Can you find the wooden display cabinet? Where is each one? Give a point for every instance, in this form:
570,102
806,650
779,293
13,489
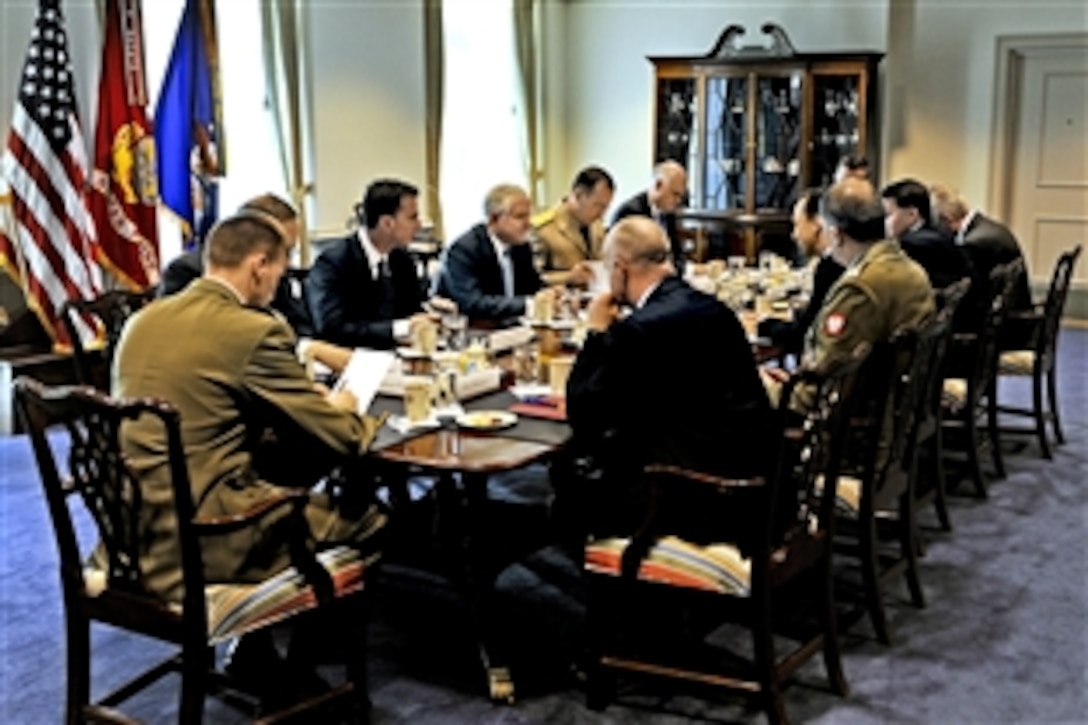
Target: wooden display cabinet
755,125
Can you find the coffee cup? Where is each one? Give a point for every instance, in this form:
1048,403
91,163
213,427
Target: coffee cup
544,306
558,372
418,392
715,268
425,336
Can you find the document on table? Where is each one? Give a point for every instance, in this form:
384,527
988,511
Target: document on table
364,373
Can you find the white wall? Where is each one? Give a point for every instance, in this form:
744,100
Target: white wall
946,68
368,100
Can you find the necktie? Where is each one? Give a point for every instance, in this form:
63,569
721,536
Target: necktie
386,292
507,265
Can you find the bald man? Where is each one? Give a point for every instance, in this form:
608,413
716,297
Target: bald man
660,202
672,382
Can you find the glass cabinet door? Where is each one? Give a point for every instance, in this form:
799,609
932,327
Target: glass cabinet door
837,124
725,175
778,141
678,119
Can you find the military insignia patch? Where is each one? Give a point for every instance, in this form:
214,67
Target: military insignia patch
834,324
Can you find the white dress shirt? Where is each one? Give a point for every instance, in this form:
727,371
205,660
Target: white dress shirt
374,258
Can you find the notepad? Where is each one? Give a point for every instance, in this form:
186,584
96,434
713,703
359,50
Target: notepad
364,373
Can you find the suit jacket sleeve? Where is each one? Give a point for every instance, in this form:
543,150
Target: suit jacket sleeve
328,288
596,382
275,377
460,280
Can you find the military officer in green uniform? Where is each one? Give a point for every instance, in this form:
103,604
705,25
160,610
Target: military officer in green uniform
881,291
571,233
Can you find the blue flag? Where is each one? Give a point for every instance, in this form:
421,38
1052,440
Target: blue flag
188,129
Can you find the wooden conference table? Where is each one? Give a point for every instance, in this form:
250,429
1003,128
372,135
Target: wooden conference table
453,454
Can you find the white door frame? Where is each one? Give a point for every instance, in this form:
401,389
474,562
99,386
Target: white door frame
1011,52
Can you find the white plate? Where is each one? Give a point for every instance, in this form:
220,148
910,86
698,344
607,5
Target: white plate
487,419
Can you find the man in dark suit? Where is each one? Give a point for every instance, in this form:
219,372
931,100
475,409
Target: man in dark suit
907,217
488,271
809,234
660,203
672,382
988,242
364,290
290,301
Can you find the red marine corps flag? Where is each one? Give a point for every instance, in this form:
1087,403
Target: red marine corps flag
125,172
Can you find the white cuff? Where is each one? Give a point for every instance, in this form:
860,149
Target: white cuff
529,308
402,328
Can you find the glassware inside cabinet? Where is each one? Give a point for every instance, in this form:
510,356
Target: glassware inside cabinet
778,141
725,174
836,128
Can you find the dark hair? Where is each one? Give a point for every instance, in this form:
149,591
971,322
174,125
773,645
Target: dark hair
859,216
236,237
910,194
272,205
588,178
382,198
811,197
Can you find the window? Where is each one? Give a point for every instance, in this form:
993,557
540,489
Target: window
482,118
253,163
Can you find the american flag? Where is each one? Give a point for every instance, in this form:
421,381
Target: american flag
45,167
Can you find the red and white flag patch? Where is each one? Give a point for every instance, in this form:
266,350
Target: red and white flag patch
834,324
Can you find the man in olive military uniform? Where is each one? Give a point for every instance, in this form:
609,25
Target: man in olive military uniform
881,291
571,233
228,365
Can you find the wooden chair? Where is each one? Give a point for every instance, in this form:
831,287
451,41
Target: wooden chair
209,614
928,434
111,310
969,388
875,497
1039,358
726,549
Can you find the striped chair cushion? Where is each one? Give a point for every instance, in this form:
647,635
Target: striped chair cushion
716,568
847,495
1016,362
954,393
234,609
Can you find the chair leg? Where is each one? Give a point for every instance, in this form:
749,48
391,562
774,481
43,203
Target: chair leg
870,574
79,668
599,681
832,652
971,428
763,647
940,482
1040,415
196,659
992,429
907,532
1052,397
